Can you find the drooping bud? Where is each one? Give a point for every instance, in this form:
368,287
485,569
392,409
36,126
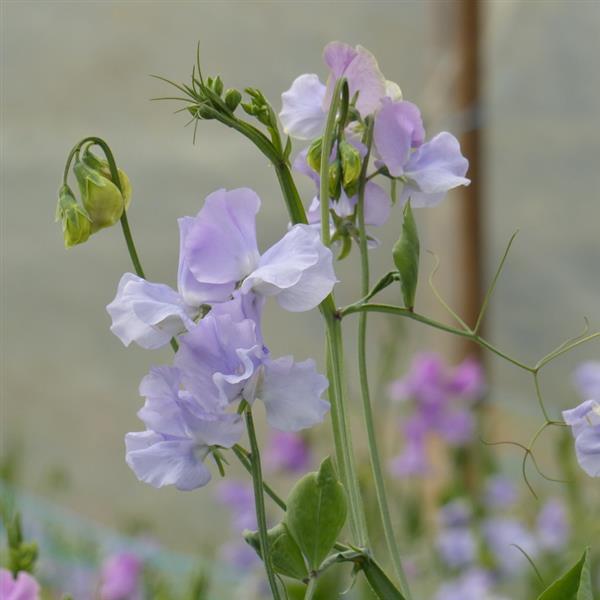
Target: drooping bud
232,98
351,165
313,156
101,165
101,198
76,223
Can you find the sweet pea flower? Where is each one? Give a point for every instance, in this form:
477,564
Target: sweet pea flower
475,584
501,535
180,432
500,492
238,497
21,587
306,103
220,254
121,577
226,360
456,546
219,261
585,425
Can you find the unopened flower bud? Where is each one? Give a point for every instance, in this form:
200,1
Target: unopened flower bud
101,165
217,85
232,99
335,180
313,156
351,164
76,223
101,198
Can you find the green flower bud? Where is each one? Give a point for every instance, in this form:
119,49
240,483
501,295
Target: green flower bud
76,223
335,179
217,85
99,164
313,156
101,198
232,99
351,164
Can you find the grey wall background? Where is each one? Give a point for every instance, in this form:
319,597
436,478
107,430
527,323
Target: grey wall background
69,69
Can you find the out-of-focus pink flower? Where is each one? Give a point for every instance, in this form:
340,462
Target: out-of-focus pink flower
23,587
287,451
121,577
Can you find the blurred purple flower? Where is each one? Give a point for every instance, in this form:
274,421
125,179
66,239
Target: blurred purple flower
475,584
456,546
238,497
500,492
585,425
440,399
553,525
239,555
456,513
287,451
21,587
121,577
502,535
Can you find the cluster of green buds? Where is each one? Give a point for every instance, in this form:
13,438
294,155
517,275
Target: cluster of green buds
103,200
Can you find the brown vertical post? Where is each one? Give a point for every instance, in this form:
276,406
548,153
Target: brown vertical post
470,259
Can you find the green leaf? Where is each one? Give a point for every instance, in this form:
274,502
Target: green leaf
406,257
379,581
316,513
285,554
575,584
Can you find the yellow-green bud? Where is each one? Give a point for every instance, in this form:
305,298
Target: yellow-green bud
76,223
102,165
101,198
232,99
313,156
351,164
335,180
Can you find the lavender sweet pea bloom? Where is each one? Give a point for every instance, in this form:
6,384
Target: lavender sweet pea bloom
121,577
239,498
148,313
220,253
456,546
23,587
226,360
180,432
501,535
585,425
475,584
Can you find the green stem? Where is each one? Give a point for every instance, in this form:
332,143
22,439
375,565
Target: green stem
405,312
376,469
259,501
311,589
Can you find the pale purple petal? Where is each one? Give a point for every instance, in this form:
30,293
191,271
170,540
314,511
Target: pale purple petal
292,394
361,71
303,167
23,587
587,449
468,380
192,291
298,270
475,584
159,461
582,416
149,314
433,169
239,498
220,246
587,379
411,462
500,493
121,577
377,205
398,128
219,356
302,114
241,307
455,426
456,513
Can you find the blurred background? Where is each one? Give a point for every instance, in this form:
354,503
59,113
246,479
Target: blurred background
71,69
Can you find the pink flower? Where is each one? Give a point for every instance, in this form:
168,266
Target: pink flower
24,587
121,574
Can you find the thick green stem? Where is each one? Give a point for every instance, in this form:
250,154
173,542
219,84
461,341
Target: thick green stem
376,470
311,589
259,501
